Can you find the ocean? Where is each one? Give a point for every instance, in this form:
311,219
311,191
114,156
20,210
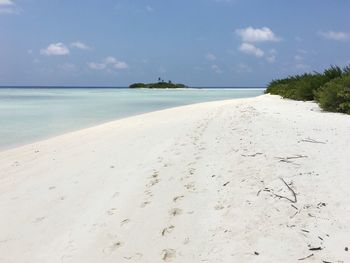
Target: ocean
31,114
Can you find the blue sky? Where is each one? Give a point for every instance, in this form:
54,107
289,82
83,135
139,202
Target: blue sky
196,42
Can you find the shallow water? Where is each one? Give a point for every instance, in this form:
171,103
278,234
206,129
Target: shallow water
31,114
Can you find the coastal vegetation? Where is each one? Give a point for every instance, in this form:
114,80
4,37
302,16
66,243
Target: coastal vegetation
161,84
330,89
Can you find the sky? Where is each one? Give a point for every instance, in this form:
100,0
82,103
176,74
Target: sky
196,42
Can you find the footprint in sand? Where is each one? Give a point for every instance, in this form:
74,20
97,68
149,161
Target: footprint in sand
178,198
219,207
149,193
154,182
137,256
111,211
175,212
113,247
155,174
186,241
190,186
125,221
144,204
191,171
168,254
167,230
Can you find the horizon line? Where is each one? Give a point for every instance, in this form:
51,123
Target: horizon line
124,87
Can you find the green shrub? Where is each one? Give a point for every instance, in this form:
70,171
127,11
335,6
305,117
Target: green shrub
137,85
300,87
158,85
304,87
335,94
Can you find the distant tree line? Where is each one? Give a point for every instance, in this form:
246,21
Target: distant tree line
161,84
330,89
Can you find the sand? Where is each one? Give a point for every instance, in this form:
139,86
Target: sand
248,180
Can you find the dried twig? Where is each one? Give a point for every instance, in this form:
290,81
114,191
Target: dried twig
226,183
291,190
309,256
292,157
250,155
315,248
289,159
294,207
311,141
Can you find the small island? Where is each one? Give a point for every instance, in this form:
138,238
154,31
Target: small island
161,84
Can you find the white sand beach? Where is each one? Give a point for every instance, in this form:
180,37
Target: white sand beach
247,180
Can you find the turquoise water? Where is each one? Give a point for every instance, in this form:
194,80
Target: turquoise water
29,114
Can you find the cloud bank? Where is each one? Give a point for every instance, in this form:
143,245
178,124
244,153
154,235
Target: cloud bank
334,35
80,45
108,63
250,49
8,7
55,49
252,35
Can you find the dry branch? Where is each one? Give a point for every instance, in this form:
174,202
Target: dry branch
311,141
309,256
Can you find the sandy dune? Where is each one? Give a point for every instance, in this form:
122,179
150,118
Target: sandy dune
249,180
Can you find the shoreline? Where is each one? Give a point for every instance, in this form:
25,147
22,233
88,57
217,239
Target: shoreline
4,149
62,114
245,180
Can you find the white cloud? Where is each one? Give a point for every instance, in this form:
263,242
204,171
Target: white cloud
110,60
8,7
80,45
96,66
333,35
251,34
250,49
55,49
6,2
120,65
108,63
210,56
216,68
115,63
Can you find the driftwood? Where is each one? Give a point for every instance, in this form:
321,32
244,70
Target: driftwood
315,248
311,141
226,183
289,159
292,157
309,256
250,155
294,200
